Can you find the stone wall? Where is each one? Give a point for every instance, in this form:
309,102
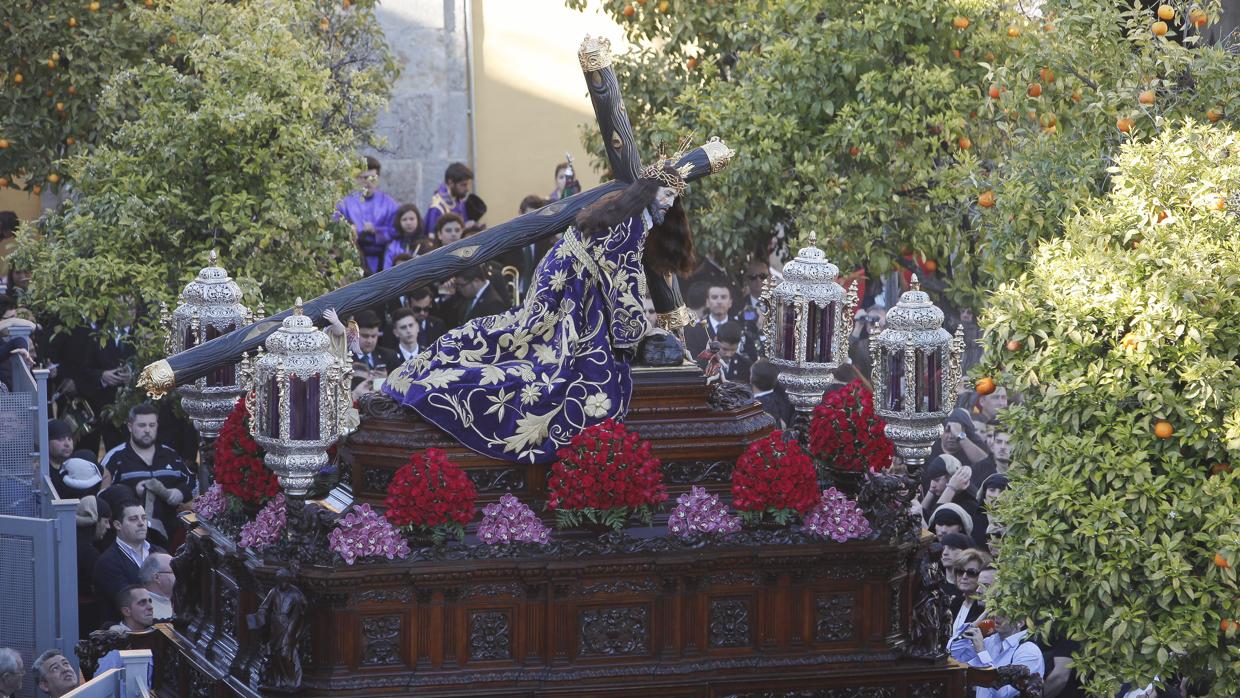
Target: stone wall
427,125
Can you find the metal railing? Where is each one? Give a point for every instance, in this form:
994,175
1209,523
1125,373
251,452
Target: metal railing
130,681
38,532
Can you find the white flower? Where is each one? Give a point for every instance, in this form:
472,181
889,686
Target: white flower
529,394
598,405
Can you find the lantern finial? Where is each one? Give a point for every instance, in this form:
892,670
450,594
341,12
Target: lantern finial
297,306
915,283
813,238
212,257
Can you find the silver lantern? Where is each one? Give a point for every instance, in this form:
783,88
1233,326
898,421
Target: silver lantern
809,318
209,306
916,375
299,398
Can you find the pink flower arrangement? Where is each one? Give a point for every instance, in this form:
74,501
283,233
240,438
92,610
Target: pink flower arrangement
267,527
363,532
511,521
211,503
699,512
837,517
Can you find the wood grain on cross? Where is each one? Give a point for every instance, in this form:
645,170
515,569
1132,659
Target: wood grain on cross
595,56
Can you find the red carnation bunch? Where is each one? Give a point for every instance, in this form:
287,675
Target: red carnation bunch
431,494
239,467
774,477
846,434
604,475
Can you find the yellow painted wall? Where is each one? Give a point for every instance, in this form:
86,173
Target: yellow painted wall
26,206
530,97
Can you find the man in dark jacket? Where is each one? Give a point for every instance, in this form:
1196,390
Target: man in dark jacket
118,566
155,471
475,297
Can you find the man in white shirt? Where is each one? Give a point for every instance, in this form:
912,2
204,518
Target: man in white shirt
1005,647
118,566
405,327
158,578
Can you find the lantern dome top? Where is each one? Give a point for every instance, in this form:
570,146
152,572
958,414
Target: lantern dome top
915,312
811,265
297,335
213,286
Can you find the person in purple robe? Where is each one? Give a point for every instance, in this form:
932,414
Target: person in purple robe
458,181
519,385
373,216
411,239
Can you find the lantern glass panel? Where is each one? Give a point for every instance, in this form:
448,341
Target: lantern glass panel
272,422
190,339
893,368
226,374
929,380
303,408
825,335
786,337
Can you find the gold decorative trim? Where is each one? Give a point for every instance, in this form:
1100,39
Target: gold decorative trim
718,153
674,320
157,379
465,252
594,54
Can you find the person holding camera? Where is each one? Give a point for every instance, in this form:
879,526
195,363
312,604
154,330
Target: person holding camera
997,642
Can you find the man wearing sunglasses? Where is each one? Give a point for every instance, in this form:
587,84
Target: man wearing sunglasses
372,215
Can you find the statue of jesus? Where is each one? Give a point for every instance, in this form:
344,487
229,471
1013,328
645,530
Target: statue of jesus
519,385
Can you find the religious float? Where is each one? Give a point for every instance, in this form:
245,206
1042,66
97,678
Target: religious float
319,593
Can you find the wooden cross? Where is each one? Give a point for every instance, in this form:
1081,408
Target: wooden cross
613,120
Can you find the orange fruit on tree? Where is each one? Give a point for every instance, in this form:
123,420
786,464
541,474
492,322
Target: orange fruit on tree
1013,31
151,3
1220,561
1147,97
986,199
60,106
72,22
994,92
53,178
1131,342
663,5
1159,28
1124,124
960,22
964,142
1228,626
692,63
18,79
629,11
1048,27
1162,215
50,63
1163,429
1035,90
985,386
70,140
72,90
1166,12
955,53
1213,115
1220,203
930,266
1049,120
854,151
1198,17
1013,345
1047,75
93,7
4,143
1076,95
324,24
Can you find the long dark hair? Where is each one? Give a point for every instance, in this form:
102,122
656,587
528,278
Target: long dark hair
669,246
404,237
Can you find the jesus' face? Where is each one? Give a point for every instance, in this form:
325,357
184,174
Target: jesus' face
663,200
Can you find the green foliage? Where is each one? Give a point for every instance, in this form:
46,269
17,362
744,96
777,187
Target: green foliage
1124,321
615,518
847,117
239,136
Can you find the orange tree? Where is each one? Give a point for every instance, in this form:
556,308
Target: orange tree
1123,337
955,132
238,132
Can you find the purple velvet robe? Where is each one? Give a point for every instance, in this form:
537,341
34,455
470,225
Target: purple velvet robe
378,210
519,385
441,203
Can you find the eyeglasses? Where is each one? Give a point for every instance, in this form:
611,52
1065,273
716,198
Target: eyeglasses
420,308
970,572
759,277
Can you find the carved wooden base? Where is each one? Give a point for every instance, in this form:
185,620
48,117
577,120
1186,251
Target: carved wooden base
697,431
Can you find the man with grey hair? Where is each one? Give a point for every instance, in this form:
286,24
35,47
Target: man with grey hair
12,669
157,577
54,674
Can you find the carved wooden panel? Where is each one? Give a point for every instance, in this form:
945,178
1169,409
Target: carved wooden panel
833,618
613,631
928,690
729,623
490,635
380,640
